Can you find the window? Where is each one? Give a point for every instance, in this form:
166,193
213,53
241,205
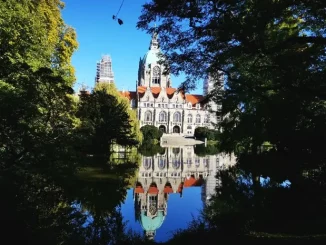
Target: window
176,163
197,106
159,105
177,117
206,119
198,118
173,105
189,118
161,163
147,162
189,106
148,116
156,75
162,116
197,162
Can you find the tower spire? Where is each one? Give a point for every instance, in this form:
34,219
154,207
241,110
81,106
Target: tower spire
154,41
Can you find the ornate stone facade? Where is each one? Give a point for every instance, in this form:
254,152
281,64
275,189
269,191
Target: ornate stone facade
167,108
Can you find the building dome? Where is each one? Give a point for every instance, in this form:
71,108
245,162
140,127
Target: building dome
151,224
151,57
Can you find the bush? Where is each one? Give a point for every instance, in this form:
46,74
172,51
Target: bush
151,133
204,132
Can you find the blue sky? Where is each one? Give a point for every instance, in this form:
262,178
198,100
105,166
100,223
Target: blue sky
99,34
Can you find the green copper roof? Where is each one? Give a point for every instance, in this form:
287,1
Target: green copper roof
151,57
149,224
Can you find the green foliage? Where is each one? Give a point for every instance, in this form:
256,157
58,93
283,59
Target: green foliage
41,138
149,149
105,122
151,133
133,120
33,32
204,132
271,55
202,150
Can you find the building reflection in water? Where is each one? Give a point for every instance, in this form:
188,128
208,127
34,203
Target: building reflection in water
168,174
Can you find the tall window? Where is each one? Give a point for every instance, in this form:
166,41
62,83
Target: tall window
148,116
147,162
161,162
162,117
177,117
189,118
156,75
198,118
206,119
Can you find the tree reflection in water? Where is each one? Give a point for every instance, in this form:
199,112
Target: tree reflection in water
51,209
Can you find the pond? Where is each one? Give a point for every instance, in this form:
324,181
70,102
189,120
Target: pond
158,192
170,190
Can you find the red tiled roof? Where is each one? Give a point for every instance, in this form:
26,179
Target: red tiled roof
129,94
192,182
194,98
168,189
152,190
139,189
156,91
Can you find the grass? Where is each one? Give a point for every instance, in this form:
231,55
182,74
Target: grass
96,174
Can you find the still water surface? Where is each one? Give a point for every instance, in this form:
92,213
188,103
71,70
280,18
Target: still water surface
170,190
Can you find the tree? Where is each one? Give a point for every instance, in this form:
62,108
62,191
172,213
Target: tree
151,133
204,132
34,32
37,120
112,90
272,53
106,122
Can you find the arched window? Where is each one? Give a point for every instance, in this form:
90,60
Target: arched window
198,118
176,163
197,162
206,118
161,163
189,118
147,162
177,117
148,116
162,117
156,75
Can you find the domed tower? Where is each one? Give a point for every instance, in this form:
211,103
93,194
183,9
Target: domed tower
150,73
150,225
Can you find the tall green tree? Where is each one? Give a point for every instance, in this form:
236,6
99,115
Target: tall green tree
37,119
272,54
133,120
106,122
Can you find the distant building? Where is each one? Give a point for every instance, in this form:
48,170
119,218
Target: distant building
167,108
104,71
